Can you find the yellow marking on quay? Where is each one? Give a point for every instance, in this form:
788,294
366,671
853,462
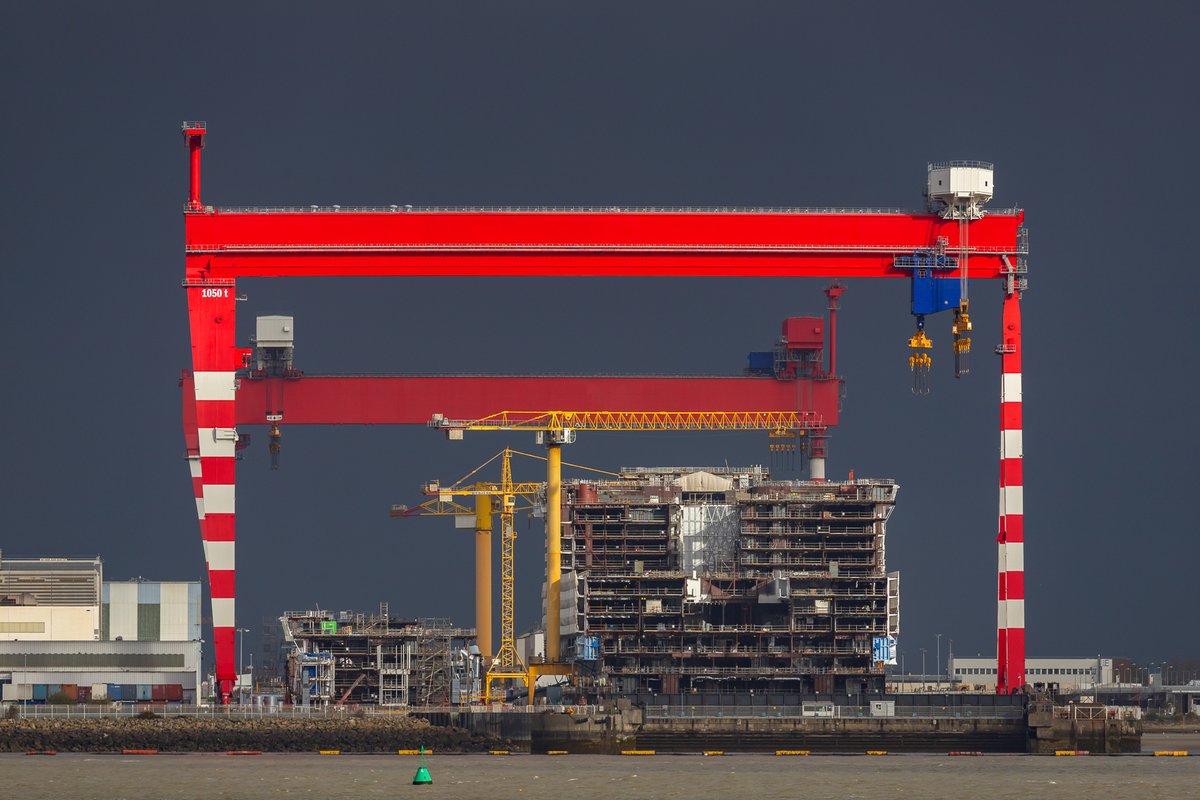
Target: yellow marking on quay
714,752
877,752
1071,752
330,752
637,752
556,752
500,752
413,752
792,752
1170,753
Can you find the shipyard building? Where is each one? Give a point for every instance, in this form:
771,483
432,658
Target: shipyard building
68,636
725,581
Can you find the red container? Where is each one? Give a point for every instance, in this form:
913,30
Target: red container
70,692
85,694
174,693
158,693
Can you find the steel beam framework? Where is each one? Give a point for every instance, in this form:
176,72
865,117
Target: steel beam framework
223,245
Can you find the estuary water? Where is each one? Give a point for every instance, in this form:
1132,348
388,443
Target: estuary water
529,777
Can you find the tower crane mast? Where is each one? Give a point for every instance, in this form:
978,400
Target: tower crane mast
502,497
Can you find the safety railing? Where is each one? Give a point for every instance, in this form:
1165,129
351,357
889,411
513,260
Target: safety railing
652,713
113,710
406,208
949,164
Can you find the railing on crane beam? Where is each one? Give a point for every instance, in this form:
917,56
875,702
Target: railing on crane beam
636,421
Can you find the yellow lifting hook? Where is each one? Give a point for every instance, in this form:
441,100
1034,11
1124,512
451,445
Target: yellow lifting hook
962,340
919,361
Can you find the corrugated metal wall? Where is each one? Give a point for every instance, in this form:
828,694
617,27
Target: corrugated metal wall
148,611
122,611
193,611
174,612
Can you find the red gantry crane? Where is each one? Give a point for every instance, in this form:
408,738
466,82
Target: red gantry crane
230,386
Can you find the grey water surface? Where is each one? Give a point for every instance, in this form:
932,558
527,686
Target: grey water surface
532,777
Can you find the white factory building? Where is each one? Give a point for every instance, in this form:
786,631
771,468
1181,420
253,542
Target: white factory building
1071,674
67,635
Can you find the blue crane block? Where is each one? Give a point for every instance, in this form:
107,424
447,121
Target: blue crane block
931,292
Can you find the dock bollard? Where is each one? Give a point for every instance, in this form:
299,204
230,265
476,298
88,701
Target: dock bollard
422,778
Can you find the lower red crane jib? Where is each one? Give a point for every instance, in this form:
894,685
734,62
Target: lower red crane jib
413,400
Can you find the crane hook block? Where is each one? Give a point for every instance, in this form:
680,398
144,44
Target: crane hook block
919,360
962,340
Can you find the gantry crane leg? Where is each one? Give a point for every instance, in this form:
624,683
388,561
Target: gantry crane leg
1010,625
215,360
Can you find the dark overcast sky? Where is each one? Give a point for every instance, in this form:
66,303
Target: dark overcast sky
1089,113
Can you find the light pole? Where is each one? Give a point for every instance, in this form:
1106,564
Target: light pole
939,661
923,673
241,651
949,664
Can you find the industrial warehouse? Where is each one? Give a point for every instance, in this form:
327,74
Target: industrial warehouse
67,635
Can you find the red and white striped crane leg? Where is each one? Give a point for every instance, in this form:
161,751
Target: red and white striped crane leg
1010,619
215,359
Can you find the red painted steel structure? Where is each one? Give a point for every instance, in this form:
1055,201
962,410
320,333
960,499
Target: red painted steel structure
1010,618
411,400
223,245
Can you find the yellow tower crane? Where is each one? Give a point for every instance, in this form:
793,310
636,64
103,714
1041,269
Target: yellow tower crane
489,498
556,428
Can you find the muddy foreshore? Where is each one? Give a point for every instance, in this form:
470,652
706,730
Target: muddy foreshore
219,734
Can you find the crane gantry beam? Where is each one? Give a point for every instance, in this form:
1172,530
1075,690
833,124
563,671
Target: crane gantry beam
228,243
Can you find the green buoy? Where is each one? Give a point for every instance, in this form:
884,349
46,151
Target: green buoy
422,778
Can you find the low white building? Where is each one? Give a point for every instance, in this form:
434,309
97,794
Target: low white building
66,635
64,672
1071,674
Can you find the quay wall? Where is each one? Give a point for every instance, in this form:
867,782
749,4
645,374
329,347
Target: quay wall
220,734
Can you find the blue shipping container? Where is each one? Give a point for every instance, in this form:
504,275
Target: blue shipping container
114,691
128,692
39,691
761,362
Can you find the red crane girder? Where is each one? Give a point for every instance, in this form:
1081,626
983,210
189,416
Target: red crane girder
226,244
412,400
